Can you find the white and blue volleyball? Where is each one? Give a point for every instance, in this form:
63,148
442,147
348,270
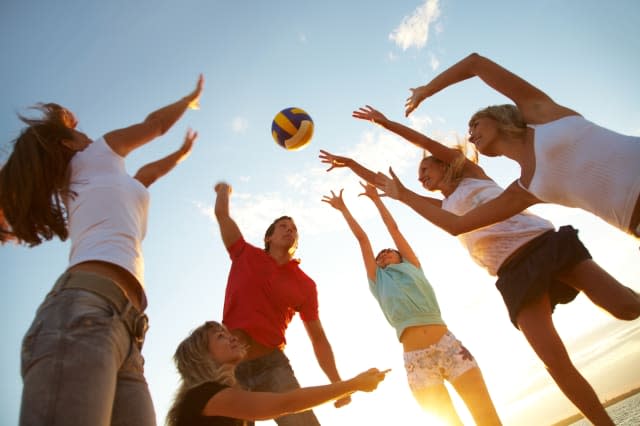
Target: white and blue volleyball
292,128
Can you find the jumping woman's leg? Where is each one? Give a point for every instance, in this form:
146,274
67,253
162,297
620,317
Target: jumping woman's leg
603,289
472,389
535,322
435,400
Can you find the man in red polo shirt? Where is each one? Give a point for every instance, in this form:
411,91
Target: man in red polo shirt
265,288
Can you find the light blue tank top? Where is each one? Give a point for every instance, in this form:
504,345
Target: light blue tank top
405,297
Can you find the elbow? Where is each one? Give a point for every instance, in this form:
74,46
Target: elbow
156,125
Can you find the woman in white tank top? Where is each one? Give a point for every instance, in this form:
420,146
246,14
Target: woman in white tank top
537,267
84,344
564,159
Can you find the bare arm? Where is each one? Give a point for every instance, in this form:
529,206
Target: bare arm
438,150
151,172
512,201
246,405
123,141
535,105
324,355
228,228
401,243
337,161
368,257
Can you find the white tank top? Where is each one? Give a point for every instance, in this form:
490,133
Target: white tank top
490,246
580,164
108,216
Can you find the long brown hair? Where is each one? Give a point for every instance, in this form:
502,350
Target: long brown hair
35,178
196,366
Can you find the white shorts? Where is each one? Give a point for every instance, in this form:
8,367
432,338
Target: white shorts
445,360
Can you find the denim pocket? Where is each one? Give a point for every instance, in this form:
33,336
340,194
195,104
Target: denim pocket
87,310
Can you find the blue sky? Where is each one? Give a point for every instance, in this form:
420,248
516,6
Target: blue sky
114,62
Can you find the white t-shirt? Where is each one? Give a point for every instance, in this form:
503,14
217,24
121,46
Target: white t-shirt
108,216
490,246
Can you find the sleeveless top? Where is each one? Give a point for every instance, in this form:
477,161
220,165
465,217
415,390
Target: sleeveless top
580,164
108,216
490,246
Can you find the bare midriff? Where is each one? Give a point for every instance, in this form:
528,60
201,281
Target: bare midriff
422,336
254,349
123,278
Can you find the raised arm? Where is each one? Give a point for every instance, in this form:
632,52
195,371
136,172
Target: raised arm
228,228
151,172
438,150
368,257
511,201
401,243
246,405
123,141
535,105
337,161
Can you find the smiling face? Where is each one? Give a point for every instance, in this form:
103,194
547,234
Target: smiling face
431,173
224,347
483,133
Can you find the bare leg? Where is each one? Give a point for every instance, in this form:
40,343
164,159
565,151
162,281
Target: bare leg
535,322
436,400
603,290
473,390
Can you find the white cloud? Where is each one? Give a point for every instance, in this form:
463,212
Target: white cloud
433,61
414,29
377,150
239,124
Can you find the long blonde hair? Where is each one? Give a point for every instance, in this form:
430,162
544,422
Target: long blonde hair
454,171
507,116
196,366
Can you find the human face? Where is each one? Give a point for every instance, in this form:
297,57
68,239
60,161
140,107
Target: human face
483,133
224,347
78,142
430,174
285,235
388,257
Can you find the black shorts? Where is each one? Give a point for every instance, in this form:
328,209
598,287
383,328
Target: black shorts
531,273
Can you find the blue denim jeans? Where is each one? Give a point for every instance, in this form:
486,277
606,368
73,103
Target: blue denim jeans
273,373
81,366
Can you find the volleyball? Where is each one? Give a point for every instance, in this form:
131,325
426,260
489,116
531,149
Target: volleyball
292,128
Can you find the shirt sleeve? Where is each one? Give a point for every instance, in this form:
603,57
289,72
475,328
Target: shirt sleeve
196,399
236,249
309,310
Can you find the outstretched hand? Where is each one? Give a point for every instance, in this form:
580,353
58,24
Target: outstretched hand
335,201
187,145
194,97
418,95
335,161
391,186
370,191
369,113
369,380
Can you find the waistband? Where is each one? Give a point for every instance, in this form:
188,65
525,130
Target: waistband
137,322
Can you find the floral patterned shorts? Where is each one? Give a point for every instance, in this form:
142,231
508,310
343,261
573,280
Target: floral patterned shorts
445,360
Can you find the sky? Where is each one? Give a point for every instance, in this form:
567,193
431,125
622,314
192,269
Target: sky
114,62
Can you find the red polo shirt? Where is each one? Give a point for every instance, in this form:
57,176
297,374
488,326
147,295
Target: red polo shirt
262,296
